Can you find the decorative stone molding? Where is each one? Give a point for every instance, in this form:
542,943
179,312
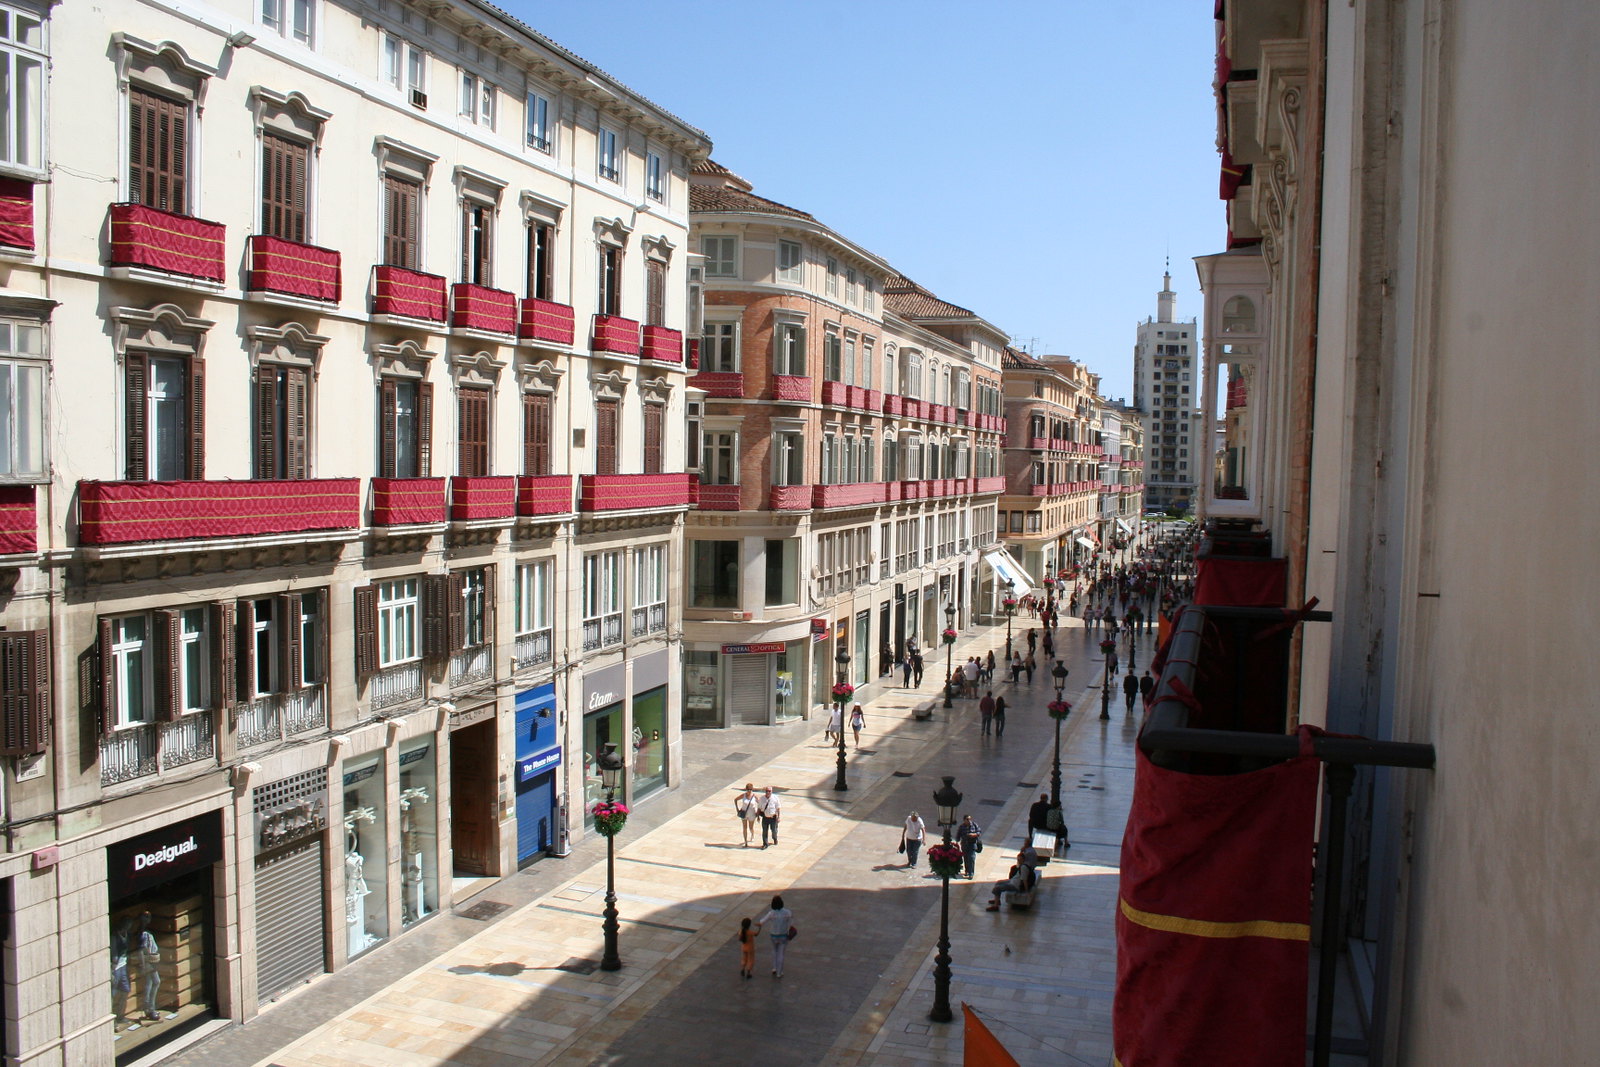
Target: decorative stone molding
404,360
541,376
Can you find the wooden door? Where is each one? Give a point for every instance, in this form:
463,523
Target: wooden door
472,798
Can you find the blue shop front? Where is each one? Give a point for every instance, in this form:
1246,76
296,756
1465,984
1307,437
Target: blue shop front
538,755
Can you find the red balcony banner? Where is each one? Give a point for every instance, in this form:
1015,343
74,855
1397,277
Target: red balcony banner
279,266
19,520
16,213
159,240
790,498
545,320
662,344
791,387
544,494
719,498
482,498
407,501
1259,583
408,293
615,334
727,384
626,492
1214,916
477,307
120,512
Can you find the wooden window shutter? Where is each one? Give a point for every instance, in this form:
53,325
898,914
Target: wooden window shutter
224,670
366,619
456,611
424,429
296,435
535,433
435,608
541,260
197,419
246,662
291,673
168,665
25,692
283,187
472,408
267,420
388,414
107,671
655,278
158,151
652,438
136,403
605,437
402,202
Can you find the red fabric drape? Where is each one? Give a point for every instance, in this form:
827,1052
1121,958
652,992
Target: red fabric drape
979,1047
1241,582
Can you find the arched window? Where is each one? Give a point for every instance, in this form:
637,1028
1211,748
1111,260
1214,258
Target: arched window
1239,315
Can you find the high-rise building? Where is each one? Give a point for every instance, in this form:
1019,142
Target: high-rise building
1165,391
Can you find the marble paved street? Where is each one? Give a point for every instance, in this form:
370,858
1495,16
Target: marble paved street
858,983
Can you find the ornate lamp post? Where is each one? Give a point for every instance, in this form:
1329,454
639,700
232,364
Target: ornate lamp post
609,818
1010,605
945,860
842,692
949,636
1059,710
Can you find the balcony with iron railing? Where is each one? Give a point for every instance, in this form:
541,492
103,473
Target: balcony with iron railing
165,243
602,631
276,716
472,665
289,268
121,512
482,309
546,322
143,749
648,619
533,649
398,684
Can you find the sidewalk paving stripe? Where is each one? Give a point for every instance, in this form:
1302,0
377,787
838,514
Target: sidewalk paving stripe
622,918
697,870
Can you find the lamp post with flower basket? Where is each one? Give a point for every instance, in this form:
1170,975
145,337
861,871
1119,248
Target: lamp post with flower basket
1059,709
610,816
842,692
949,636
1108,648
1010,606
945,861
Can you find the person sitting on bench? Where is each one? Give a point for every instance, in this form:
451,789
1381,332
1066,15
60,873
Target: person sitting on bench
1021,880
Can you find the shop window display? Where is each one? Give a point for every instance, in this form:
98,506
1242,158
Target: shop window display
649,742
599,728
788,702
419,839
366,912
700,673
159,979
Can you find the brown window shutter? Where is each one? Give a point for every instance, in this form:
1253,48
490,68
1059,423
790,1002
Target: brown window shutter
177,158
402,201
317,656
366,619
541,260
655,278
535,434
488,603
158,151
283,187
424,429
472,407
290,671
141,125
605,437
435,609
246,662
136,397
25,692
224,671
467,228
168,665
107,678
455,613
197,419
296,436
652,438
388,413
267,420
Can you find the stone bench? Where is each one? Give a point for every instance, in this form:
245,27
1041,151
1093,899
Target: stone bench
924,711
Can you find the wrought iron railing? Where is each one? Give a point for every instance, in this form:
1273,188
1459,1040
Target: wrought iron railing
128,753
188,740
611,630
533,649
472,665
260,722
396,685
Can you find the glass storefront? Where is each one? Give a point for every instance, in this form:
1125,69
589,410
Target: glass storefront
788,695
419,837
700,703
366,910
599,728
649,741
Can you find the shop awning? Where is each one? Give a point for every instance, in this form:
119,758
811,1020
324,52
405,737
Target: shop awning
1124,527
1009,570
1086,543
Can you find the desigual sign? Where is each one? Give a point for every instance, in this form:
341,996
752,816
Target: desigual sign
145,860
153,858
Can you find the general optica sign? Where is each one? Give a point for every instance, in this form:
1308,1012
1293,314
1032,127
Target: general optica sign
749,650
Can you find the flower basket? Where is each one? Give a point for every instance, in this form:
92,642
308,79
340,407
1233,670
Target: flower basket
1058,709
945,860
949,637
1108,646
610,817
1009,603
843,692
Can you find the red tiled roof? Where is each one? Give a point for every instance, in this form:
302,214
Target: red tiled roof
905,297
721,198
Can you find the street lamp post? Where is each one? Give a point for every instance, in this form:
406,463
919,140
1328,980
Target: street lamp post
842,660
610,772
1010,604
948,802
1105,686
1133,649
1058,712
949,649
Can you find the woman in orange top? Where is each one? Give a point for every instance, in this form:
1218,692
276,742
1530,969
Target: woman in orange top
747,950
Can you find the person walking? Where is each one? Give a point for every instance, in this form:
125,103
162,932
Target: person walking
858,719
781,919
835,730
1130,689
911,838
999,716
1016,667
1029,666
1111,666
969,835
769,808
1033,639
988,669
986,710
747,806
905,668
1147,687
916,668
747,949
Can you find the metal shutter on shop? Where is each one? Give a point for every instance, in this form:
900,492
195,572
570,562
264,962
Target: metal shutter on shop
749,689
289,919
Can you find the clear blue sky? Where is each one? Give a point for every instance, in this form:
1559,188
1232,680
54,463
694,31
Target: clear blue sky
1033,161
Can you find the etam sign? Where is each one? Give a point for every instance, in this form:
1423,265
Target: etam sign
164,854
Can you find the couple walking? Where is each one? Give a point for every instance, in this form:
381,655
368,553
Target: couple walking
751,806
783,930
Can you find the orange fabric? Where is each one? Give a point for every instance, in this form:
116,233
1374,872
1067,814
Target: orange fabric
980,1048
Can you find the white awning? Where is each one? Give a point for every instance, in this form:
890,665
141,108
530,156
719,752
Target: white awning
1009,570
1124,527
1086,543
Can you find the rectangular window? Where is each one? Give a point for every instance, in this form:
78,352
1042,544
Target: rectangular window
790,258
720,459
850,285
536,434
194,660
541,260
258,645
714,574
398,622
473,588
405,428
533,598
477,251
655,177
282,421
283,187
22,63
158,151
538,133
472,432
298,22
790,358
477,100
789,459
847,370
832,357
610,296
868,361
402,209
832,287
602,600
654,418
22,408
722,256
869,293
605,436
655,293
719,348
131,671
165,417
608,163
649,590
783,571
405,67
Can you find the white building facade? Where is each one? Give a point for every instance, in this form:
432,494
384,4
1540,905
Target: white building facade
1166,395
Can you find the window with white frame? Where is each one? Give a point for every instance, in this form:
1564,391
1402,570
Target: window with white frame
655,177
720,459
405,67
258,619
602,600
290,18
790,259
475,608
832,287
832,356
789,340
869,294
22,406
649,590
719,347
533,598
22,51
722,256
477,101
398,622
132,670
850,285
194,660
538,132
868,361
608,158
788,458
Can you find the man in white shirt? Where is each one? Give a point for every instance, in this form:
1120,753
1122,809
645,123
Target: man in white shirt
768,808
